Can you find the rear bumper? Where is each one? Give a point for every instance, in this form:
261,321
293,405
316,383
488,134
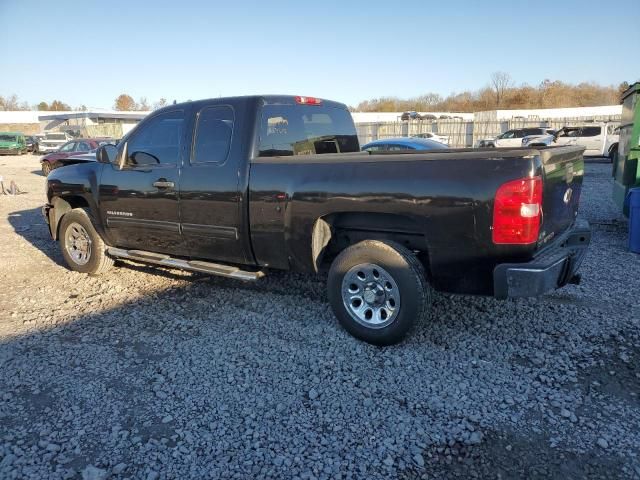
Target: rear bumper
553,269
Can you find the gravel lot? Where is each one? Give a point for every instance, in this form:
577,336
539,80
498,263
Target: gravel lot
154,373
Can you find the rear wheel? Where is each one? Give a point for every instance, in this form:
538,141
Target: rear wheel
82,248
378,291
613,154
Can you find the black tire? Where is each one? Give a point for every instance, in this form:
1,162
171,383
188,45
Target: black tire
407,274
97,261
613,154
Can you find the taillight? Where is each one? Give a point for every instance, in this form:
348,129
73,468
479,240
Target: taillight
517,211
308,100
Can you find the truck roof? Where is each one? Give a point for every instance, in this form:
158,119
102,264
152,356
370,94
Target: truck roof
264,99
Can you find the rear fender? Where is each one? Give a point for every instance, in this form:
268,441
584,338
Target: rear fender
334,232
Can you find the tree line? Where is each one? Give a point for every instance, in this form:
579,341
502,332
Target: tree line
501,94
123,102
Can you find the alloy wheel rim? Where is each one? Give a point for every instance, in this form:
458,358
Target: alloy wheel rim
371,295
78,243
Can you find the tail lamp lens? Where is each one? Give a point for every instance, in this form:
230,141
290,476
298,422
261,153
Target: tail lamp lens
517,211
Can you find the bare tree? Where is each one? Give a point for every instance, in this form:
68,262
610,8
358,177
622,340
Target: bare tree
11,102
500,83
143,104
160,103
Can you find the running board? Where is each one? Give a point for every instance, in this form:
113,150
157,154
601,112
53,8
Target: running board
191,265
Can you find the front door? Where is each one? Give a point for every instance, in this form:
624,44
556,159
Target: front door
139,199
509,138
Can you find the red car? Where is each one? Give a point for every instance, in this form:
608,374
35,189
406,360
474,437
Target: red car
73,147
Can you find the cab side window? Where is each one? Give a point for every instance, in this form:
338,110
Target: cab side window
508,134
400,147
158,142
591,131
68,147
376,148
213,134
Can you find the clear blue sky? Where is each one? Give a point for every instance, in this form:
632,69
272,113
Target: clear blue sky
88,52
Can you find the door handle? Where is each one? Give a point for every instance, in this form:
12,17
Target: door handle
163,184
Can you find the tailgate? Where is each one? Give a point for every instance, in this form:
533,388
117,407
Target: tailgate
562,185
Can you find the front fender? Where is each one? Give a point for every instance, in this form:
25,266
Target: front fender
74,186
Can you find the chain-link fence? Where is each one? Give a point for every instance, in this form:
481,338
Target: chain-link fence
467,133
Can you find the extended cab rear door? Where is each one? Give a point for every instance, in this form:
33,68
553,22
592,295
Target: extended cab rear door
211,199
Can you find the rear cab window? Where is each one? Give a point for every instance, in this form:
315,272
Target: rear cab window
288,130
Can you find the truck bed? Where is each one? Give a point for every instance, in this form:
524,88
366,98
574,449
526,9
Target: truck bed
439,203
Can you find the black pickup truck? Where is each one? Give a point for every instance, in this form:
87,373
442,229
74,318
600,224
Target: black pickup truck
239,186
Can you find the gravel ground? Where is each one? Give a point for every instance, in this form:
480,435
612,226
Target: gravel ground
153,373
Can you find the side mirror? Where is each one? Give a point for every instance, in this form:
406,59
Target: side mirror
107,153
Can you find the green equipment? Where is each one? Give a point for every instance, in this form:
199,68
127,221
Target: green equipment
626,173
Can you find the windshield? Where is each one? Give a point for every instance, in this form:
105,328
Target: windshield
56,136
8,138
304,129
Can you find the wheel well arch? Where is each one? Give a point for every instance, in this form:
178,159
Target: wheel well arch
61,206
334,232
613,146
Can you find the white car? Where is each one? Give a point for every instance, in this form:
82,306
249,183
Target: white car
513,137
599,140
434,136
52,141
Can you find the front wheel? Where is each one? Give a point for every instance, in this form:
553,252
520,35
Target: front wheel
82,248
378,291
46,168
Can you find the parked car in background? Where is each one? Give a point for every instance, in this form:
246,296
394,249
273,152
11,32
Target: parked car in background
410,116
598,139
513,137
32,143
402,143
74,147
52,141
12,143
433,136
